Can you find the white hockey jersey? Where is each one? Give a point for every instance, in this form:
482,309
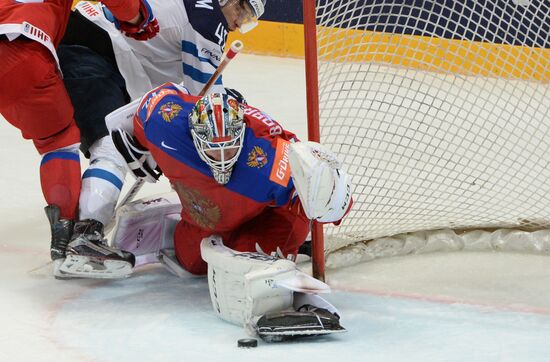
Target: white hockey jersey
188,47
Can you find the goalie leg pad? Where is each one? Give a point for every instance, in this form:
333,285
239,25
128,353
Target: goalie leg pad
242,284
246,285
146,227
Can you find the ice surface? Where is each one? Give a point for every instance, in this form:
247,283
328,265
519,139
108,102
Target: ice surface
436,307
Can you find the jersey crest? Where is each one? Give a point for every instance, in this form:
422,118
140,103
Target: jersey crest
203,211
169,111
257,157
154,98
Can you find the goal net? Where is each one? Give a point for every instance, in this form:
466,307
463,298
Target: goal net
440,111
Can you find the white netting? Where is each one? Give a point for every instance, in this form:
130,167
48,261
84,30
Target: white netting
440,111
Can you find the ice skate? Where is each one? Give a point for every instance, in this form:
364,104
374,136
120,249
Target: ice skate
61,229
89,257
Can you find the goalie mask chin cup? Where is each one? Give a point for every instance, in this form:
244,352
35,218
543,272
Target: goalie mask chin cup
217,127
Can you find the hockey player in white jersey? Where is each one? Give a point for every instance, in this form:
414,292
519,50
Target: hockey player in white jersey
184,41
188,46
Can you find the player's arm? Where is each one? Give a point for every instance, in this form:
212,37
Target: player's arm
134,18
321,182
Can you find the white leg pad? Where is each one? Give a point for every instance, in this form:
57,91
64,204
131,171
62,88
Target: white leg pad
245,286
145,227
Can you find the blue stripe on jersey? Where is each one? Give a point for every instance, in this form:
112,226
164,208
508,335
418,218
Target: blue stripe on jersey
71,156
104,175
191,49
197,75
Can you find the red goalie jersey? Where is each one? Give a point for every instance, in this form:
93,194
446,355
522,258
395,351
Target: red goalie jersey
257,205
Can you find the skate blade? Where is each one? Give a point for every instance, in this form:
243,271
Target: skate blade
79,266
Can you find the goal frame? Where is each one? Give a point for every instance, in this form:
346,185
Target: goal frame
497,57
314,133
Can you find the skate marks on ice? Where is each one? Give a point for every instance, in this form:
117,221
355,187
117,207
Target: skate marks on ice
155,316
504,281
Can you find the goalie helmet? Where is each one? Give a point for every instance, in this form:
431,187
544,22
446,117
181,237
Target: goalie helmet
217,127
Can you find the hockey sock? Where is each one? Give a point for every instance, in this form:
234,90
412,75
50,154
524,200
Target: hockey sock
60,179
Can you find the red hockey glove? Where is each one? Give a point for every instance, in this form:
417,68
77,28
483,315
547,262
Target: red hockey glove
147,29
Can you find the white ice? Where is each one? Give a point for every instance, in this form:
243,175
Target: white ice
438,307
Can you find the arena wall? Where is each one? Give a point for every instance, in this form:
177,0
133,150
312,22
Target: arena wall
425,44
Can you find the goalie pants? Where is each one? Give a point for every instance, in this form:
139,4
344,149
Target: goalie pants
273,228
33,99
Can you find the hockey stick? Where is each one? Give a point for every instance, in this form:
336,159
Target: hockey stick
234,49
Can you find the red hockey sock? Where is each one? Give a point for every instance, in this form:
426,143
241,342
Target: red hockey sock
60,180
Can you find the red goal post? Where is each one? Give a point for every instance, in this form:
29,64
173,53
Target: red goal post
312,97
440,112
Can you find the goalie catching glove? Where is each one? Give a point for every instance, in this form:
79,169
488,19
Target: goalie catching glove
138,159
323,186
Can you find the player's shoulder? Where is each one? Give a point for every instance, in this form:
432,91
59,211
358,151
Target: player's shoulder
167,101
207,19
261,123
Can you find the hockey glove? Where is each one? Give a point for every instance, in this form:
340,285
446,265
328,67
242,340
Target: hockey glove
138,159
236,94
322,184
145,30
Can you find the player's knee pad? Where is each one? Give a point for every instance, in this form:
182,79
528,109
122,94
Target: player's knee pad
245,286
145,227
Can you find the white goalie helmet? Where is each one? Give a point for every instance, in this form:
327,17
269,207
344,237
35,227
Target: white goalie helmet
248,12
217,127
